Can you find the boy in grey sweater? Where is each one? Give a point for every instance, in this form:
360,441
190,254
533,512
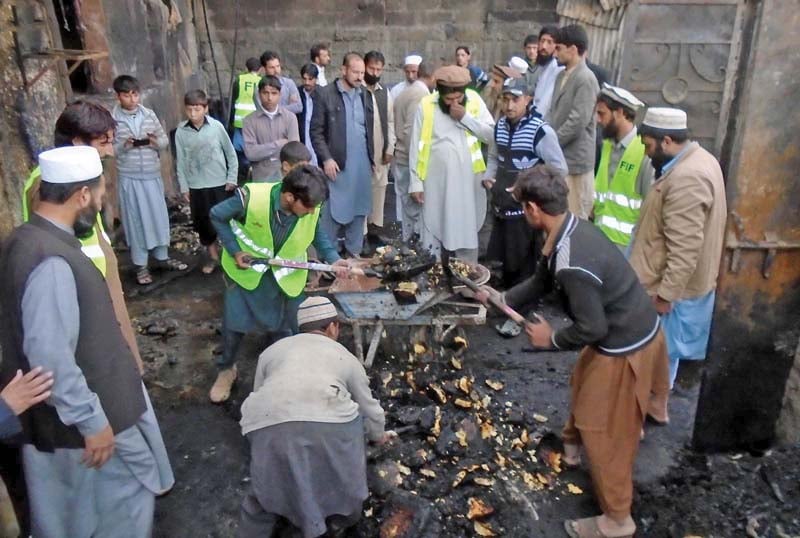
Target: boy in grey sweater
137,141
207,168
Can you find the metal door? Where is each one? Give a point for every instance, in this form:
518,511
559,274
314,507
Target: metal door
681,53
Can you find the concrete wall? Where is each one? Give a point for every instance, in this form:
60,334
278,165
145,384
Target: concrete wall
494,29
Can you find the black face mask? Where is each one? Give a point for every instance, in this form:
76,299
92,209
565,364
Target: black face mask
84,223
370,79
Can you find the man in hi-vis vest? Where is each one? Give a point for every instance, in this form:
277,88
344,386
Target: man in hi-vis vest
447,164
242,96
625,173
267,220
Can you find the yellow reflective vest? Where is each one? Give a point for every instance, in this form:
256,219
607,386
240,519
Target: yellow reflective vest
248,83
255,238
90,246
616,206
429,104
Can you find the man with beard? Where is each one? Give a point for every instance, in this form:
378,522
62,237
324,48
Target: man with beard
677,244
320,56
410,69
624,175
383,140
93,454
545,71
572,116
342,132
405,109
446,164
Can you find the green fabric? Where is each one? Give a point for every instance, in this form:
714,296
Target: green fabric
244,106
426,134
617,204
255,238
205,158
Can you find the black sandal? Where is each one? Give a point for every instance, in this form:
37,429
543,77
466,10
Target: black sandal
171,264
143,276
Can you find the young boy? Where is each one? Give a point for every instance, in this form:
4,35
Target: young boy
293,154
207,168
267,130
138,139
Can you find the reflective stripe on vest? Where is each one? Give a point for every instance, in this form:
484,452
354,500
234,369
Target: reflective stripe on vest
90,246
616,206
255,238
248,82
429,104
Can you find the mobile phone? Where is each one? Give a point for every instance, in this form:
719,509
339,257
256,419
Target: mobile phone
141,142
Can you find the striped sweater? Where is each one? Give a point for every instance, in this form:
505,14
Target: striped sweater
140,161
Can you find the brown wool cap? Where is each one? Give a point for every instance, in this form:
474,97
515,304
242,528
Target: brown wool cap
452,76
506,71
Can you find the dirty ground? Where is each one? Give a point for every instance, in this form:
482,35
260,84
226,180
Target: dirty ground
478,455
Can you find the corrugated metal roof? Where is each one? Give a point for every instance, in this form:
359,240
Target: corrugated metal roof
592,12
605,28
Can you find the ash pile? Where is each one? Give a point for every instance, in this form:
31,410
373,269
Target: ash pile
468,460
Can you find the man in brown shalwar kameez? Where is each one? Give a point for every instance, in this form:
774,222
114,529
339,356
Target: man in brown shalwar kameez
621,374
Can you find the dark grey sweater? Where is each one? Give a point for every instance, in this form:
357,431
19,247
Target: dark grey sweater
609,308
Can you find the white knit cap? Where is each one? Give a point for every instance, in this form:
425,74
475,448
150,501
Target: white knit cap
70,164
315,309
518,63
412,59
670,119
621,96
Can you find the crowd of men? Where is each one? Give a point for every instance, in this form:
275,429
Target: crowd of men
624,222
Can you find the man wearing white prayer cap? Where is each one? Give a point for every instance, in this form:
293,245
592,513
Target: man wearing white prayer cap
410,69
305,421
624,175
93,453
677,243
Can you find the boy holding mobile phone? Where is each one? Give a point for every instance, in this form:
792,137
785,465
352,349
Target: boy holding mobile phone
138,139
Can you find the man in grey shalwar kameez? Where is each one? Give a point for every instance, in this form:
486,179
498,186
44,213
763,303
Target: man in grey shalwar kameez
305,419
447,165
93,455
342,136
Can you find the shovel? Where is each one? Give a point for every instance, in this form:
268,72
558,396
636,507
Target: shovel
502,307
312,266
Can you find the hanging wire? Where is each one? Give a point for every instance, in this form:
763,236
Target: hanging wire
233,60
211,47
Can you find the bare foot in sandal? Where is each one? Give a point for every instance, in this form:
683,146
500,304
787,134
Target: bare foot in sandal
143,276
600,527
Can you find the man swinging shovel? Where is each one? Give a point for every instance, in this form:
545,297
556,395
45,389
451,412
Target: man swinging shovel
622,371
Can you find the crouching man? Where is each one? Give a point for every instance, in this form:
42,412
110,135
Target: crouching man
621,373
305,420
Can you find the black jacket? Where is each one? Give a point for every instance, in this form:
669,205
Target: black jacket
328,129
609,308
301,117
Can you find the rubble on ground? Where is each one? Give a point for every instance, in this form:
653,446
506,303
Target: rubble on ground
469,459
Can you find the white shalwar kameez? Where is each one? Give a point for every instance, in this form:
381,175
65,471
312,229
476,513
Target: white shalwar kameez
455,200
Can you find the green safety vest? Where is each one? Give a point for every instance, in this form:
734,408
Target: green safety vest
248,82
255,238
90,246
616,206
426,135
